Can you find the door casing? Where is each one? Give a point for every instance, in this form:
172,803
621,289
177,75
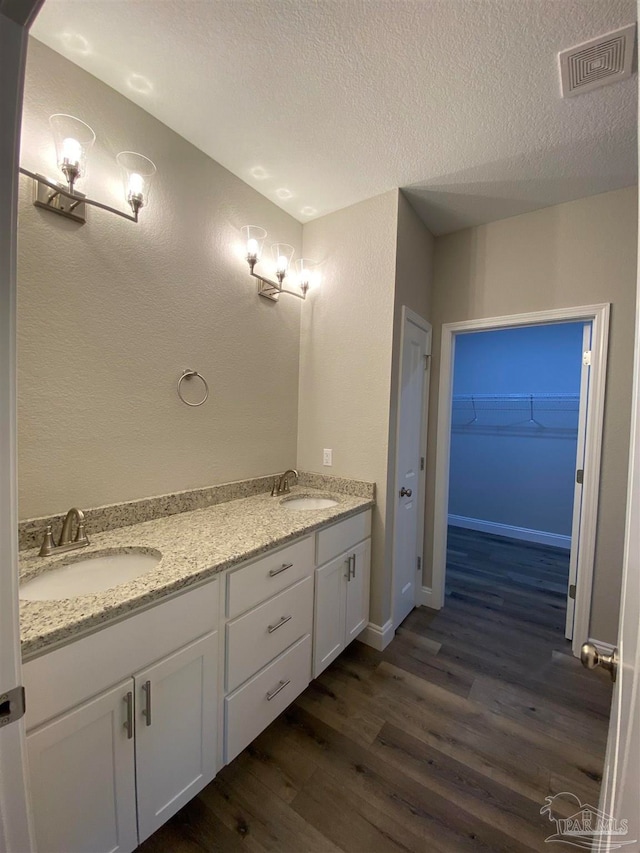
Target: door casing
598,315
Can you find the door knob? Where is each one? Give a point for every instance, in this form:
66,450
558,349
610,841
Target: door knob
405,492
591,658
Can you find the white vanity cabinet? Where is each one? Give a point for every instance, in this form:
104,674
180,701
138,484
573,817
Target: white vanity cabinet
127,724
341,587
110,770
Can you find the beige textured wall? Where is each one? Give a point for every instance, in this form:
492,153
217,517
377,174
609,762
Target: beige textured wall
110,313
345,356
573,254
414,282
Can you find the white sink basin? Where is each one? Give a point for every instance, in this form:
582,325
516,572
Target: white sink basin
308,502
87,575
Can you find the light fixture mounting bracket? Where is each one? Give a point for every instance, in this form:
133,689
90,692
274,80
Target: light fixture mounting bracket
59,201
271,290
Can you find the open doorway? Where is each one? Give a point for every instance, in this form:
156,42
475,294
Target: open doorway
518,421
592,390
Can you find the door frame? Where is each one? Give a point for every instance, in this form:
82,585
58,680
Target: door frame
16,829
411,316
598,315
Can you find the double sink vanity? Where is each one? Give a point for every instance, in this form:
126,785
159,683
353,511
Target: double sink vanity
157,653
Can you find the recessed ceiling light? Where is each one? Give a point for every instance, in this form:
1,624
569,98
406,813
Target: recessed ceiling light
283,193
259,173
76,43
140,84
308,211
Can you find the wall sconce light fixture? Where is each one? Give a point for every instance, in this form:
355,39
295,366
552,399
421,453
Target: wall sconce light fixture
304,276
73,140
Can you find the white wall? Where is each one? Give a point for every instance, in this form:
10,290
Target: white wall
579,253
110,313
375,256
345,357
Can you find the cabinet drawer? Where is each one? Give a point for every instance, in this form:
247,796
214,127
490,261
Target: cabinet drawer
258,581
260,635
256,704
339,537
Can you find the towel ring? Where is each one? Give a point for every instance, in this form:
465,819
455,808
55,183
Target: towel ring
188,374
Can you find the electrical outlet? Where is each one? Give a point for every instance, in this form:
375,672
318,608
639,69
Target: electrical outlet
327,456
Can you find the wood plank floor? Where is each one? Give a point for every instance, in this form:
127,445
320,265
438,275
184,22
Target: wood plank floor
448,741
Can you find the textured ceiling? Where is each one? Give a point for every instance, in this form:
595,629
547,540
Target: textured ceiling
319,104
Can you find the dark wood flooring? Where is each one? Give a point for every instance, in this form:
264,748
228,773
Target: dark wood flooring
450,740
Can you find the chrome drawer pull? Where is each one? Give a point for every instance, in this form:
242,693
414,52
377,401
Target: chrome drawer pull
277,690
128,723
284,568
279,624
352,561
146,711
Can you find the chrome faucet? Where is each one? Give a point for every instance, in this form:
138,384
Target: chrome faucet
65,543
281,484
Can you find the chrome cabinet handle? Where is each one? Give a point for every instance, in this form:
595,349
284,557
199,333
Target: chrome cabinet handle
128,723
273,693
279,624
284,568
405,492
351,566
146,711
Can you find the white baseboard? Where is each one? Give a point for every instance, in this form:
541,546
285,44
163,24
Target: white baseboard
601,646
376,636
426,598
524,533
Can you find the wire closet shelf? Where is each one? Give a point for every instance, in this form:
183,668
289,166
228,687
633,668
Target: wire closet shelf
557,412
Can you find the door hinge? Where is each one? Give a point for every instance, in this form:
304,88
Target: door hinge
580,476
422,463
419,564
572,591
12,706
586,358
427,358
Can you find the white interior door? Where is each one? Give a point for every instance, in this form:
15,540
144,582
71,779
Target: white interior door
620,795
577,492
409,480
14,823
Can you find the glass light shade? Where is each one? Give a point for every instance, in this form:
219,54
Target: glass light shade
137,175
73,139
253,237
282,254
307,275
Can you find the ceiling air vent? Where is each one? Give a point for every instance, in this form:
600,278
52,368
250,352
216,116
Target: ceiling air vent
595,63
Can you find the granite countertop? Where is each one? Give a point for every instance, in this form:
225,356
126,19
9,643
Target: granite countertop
194,546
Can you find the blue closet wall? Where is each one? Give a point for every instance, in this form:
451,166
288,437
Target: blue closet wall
504,468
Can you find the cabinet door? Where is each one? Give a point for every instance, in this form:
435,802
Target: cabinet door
83,777
328,632
357,610
176,731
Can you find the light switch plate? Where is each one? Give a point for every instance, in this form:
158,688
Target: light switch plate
327,456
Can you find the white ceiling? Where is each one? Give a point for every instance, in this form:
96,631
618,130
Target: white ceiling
319,104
